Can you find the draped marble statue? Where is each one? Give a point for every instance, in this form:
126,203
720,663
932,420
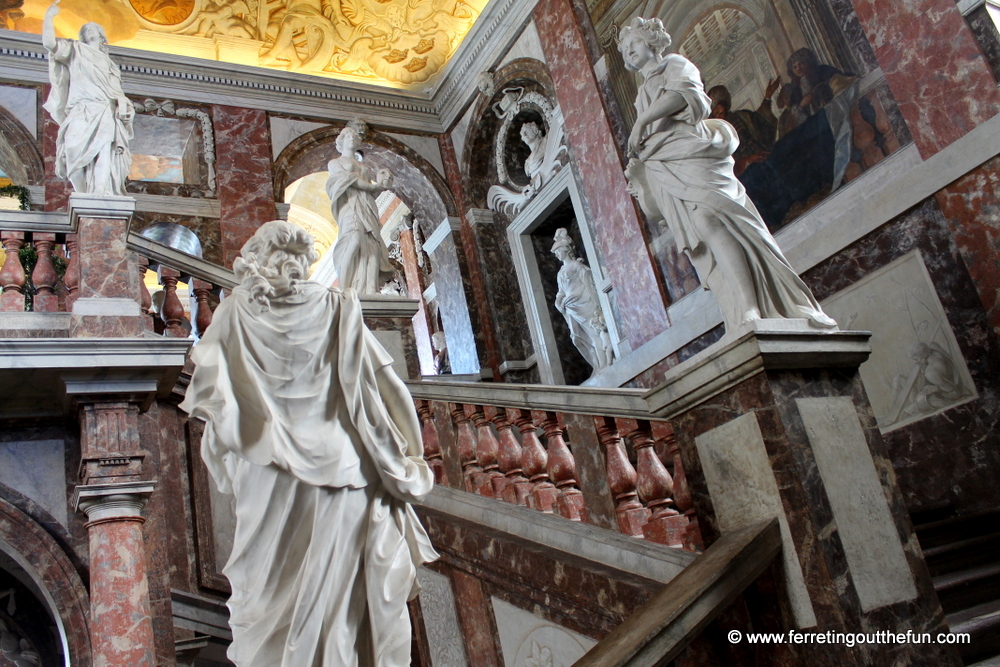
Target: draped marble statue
360,257
577,301
317,438
87,101
682,173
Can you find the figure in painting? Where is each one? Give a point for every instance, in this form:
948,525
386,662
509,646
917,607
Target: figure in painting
359,254
757,129
577,301
87,101
317,438
682,173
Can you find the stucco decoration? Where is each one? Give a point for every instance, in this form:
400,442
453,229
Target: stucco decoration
547,145
308,426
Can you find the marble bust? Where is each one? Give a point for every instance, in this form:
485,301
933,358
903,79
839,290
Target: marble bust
681,172
577,301
94,116
360,257
310,429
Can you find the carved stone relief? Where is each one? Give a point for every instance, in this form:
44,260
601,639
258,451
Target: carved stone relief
916,368
528,640
545,141
444,637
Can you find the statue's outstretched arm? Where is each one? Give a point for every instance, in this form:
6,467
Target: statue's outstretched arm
48,29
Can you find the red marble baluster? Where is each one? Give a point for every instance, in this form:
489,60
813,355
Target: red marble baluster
202,290
432,446
145,299
44,277
71,279
12,276
562,469
486,453
621,478
655,487
172,310
534,461
466,442
664,433
517,488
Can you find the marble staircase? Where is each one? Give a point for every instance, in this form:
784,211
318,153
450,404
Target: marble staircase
963,556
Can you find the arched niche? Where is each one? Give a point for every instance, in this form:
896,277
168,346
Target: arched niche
52,577
20,156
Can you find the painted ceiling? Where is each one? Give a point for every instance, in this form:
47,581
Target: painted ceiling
395,43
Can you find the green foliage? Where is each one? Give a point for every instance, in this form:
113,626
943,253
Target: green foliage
19,191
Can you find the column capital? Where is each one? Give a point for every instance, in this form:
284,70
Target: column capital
116,500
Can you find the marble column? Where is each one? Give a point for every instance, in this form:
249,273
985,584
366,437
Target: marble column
610,208
422,328
107,298
777,424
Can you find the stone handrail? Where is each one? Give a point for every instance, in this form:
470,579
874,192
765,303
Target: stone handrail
660,629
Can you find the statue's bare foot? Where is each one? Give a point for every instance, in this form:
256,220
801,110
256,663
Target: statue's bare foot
750,315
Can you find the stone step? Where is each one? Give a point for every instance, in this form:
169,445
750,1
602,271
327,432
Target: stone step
964,554
943,531
968,588
982,622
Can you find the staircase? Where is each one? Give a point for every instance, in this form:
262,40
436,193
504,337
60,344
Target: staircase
963,555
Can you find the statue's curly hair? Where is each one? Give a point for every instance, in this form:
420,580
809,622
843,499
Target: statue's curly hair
650,31
278,251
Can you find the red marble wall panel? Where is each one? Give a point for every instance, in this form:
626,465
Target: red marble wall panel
476,617
244,183
57,190
972,207
936,71
595,156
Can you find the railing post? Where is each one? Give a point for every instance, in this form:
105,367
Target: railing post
666,525
562,469
44,276
621,479
432,446
12,276
517,486
486,454
72,277
203,315
145,298
534,460
172,310
466,442
664,433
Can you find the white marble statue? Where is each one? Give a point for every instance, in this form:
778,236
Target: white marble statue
317,438
360,257
682,172
577,301
94,116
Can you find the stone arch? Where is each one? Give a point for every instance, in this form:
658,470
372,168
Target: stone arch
477,154
49,566
416,181
24,148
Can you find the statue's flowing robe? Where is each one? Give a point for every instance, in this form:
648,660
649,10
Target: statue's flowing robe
86,87
686,162
320,443
359,254
581,309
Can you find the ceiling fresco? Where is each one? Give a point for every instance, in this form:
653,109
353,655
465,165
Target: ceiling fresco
396,43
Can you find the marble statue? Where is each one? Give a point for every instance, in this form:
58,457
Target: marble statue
360,257
682,173
87,101
577,301
548,149
317,438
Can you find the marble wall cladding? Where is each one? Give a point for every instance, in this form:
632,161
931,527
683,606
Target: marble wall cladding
773,400
396,336
454,309
440,615
596,161
245,191
926,454
912,37
36,469
208,230
987,36
527,639
57,190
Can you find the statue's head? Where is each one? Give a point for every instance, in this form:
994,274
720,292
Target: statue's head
563,246
276,257
93,35
530,131
640,36
350,137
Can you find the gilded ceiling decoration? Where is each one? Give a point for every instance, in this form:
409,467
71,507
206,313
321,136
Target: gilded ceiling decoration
398,43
